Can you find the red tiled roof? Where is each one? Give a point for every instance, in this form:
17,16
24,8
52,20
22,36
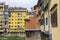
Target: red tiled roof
31,24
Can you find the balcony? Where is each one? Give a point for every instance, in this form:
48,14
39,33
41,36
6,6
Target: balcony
15,30
1,8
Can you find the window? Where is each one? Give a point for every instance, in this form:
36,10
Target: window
18,22
9,15
0,21
46,21
12,26
1,7
42,20
12,16
15,26
20,13
54,17
9,25
19,19
9,22
12,19
6,22
1,25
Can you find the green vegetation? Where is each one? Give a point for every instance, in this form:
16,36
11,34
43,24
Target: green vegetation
11,38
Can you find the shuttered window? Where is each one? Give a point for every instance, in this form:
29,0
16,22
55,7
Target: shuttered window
54,18
46,21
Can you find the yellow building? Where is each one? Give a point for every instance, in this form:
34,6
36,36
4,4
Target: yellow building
54,8
16,21
1,17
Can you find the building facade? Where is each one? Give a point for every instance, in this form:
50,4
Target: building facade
16,22
1,17
42,14
12,20
54,8
49,20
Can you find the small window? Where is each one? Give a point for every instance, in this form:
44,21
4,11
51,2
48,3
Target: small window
20,16
1,25
9,15
15,26
20,13
5,22
12,19
0,21
12,26
9,22
12,16
9,25
19,19
18,22
1,7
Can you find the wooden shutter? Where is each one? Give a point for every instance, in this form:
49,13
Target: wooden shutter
54,18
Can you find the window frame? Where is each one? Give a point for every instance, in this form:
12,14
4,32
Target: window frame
54,12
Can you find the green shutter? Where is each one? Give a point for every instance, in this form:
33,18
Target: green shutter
46,21
46,5
42,22
39,13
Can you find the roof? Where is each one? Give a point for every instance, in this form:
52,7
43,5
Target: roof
31,24
17,9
